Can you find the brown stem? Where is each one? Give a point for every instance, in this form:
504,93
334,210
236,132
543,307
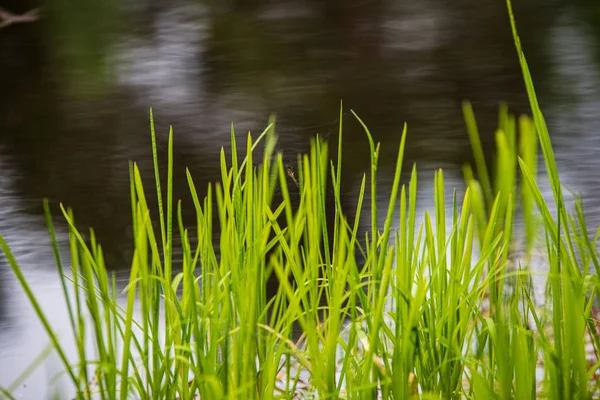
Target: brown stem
8,18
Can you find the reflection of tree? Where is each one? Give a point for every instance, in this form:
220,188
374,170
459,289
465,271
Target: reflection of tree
63,150
82,34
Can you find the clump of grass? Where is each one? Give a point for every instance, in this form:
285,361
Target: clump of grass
429,309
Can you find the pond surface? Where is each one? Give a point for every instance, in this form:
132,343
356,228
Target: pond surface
76,87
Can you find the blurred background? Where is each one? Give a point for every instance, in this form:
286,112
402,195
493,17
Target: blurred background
77,80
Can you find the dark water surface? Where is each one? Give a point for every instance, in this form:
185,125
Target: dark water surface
76,87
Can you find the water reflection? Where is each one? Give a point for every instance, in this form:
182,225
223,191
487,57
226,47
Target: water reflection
21,337
75,89
575,113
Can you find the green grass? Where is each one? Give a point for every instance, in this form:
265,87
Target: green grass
421,308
